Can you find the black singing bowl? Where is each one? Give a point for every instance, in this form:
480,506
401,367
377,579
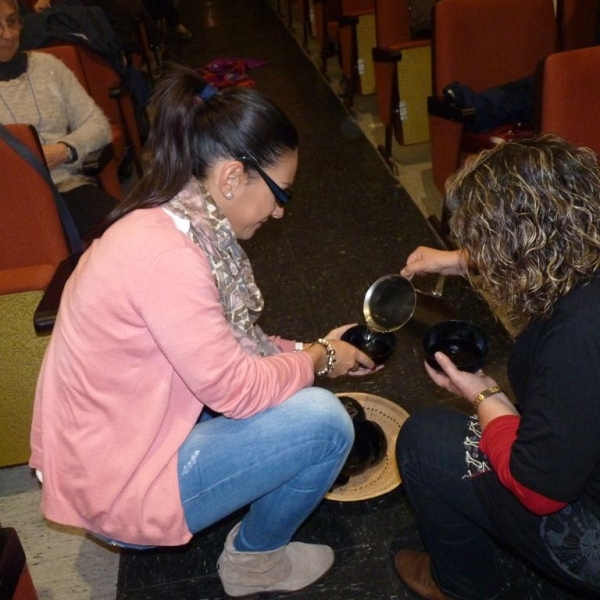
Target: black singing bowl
463,342
353,407
377,346
368,450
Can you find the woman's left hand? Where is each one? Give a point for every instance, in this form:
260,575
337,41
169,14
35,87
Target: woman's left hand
338,332
55,155
461,383
359,369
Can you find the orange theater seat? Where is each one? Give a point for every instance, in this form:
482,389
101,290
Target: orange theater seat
356,38
481,44
33,242
402,65
327,14
33,245
570,91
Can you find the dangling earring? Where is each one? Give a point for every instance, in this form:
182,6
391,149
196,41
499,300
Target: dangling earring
229,195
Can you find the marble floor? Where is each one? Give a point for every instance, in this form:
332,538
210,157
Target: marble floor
352,220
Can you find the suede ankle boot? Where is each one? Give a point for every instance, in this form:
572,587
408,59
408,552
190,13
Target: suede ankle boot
414,568
287,569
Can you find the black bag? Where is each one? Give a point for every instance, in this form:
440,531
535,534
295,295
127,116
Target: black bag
85,26
511,102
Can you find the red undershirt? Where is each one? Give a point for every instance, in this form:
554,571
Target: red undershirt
496,441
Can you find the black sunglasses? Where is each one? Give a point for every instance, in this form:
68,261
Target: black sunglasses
282,197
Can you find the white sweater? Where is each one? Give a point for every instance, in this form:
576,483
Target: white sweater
49,97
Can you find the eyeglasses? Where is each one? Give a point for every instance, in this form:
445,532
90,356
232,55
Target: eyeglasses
282,197
13,23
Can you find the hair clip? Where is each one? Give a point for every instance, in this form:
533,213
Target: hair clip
205,95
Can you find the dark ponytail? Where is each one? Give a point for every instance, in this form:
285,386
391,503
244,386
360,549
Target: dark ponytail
193,125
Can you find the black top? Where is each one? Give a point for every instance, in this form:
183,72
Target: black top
554,371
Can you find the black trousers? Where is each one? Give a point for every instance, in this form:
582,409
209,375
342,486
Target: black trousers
88,205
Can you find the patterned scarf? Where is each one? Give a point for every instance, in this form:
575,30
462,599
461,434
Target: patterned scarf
239,295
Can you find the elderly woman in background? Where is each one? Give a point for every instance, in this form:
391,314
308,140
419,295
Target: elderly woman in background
38,89
527,475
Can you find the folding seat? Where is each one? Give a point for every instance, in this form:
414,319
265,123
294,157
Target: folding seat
327,14
305,18
402,68
349,27
356,34
114,97
481,44
33,245
570,94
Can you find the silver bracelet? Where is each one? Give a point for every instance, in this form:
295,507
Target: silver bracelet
330,357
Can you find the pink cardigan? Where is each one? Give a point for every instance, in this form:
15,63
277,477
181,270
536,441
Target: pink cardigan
139,347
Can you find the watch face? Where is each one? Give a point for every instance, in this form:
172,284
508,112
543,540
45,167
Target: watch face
71,154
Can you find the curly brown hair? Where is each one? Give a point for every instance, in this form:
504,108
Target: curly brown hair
528,212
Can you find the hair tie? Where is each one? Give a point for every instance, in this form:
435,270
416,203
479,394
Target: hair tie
205,95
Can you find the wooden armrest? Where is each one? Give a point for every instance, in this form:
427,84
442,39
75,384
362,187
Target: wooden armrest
95,161
353,17
45,313
438,107
345,20
394,53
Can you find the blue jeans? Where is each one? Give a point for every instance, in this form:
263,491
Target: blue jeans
281,462
453,525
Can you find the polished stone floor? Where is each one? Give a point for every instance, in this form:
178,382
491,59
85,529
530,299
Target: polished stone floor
350,222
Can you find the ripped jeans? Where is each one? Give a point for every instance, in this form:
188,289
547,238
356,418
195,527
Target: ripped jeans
280,462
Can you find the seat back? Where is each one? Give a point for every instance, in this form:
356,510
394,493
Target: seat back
484,44
70,56
111,95
402,65
326,17
33,240
570,88
33,245
356,38
392,22
577,23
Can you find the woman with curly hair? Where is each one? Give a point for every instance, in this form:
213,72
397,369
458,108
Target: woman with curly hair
526,475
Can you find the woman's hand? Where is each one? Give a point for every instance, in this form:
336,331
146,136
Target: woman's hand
55,154
469,386
459,383
349,360
338,332
430,260
361,368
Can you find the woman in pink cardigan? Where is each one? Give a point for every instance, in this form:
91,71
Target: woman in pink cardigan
158,324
